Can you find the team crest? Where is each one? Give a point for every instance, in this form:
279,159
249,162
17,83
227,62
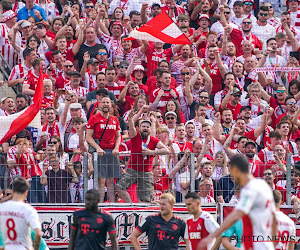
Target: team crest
175,227
99,220
199,227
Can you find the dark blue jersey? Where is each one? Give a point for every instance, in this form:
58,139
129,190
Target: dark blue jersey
92,229
163,235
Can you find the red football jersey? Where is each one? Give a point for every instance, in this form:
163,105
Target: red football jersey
163,100
97,123
200,228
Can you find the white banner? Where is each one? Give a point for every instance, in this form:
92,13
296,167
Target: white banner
56,220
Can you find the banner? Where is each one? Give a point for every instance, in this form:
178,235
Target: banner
56,220
264,69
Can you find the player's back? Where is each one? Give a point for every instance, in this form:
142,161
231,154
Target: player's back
16,218
286,230
257,203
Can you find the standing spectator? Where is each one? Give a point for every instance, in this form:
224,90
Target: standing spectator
126,6
31,9
57,180
103,134
140,163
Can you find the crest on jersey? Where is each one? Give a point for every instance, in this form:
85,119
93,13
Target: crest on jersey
175,227
199,227
114,122
99,220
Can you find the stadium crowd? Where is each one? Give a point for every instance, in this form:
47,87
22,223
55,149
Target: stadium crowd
145,106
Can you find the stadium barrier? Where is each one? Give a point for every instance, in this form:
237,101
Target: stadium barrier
70,192
56,220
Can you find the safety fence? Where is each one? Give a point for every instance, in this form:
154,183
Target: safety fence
132,178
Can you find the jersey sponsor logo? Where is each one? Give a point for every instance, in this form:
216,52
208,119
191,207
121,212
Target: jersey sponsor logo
157,59
195,236
109,126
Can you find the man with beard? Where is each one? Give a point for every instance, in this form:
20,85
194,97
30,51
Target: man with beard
247,51
127,101
203,7
218,27
241,142
155,10
232,101
89,76
239,36
91,97
256,167
64,80
227,119
103,134
75,81
21,102
249,6
178,65
102,57
201,224
258,205
110,85
92,217
140,163
228,52
291,109
262,29
190,130
163,229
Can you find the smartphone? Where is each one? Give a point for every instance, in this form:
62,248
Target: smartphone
295,54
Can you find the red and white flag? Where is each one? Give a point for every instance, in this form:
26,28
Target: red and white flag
15,123
160,29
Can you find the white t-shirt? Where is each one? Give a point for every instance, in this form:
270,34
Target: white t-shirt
286,230
263,33
16,219
257,202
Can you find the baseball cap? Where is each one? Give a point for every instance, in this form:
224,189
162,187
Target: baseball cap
245,107
155,5
117,23
250,142
25,24
236,90
74,73
92,61
75,106
250,1
240,3
102,92
170,113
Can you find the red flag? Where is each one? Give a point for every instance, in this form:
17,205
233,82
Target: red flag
15,123
160,29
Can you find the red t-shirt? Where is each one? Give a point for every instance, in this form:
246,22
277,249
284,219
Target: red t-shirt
128,104
278,174
152,84
256,168
97,122
32,80
279,109
137,161
160,186
164,99
250,136
184,145
154,57
68,55
215,76
235,110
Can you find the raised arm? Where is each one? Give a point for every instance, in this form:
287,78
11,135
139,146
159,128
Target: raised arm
132,130
86,58
295,119
220,64
222,16
207,79
290,34
77,45
230,153
144,16
196,11
12,35
216,129
260,129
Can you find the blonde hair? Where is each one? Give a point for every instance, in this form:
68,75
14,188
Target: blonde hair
224,167
169,197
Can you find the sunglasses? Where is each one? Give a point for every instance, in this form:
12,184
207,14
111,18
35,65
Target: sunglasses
267,174
203,97
102,53
40,26
236,95
293,0
246,22
89,7
53,142
270,7
68,66
123,66
185,73
170,118
262,14
159,116
227,12
249,3
280,91
291,103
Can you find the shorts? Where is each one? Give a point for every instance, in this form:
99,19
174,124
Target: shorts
144,182
108,165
